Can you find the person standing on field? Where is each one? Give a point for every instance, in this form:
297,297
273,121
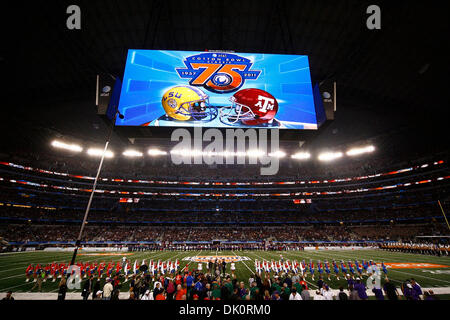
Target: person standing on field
62,288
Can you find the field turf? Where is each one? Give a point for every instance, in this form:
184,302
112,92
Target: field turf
13,265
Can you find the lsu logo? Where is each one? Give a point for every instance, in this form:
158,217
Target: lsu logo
172,102
173,94
218,72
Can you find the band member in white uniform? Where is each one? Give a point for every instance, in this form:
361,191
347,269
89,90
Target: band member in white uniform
232,267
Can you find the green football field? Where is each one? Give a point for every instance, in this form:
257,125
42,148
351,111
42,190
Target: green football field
429,271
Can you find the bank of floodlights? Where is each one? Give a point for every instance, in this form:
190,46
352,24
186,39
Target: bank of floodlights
66,146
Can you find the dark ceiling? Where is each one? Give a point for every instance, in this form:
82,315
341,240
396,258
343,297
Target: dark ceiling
387,79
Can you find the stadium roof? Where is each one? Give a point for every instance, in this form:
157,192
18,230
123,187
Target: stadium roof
387,79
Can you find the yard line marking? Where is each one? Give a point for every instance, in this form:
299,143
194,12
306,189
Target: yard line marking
17,275
243,263
22,268
20,285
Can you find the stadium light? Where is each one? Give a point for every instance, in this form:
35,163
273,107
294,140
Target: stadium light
187,152
358,151
132,153
255,153
234,153
194,153
179,151
66,146
99,152
156,152
329,156
301,155
277,154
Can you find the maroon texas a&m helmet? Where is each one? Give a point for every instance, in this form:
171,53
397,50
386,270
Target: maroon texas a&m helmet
251,107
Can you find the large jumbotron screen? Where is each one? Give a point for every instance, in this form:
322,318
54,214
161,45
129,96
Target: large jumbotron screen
217,89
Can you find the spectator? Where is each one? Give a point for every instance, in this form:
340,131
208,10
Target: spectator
170,290
416,289
96,289
224,265
377,291
146,295
216,292
161,295
98,295
407,290
181,291
390,290
361,289
327,293
305,293
294,295
353,293
88,287
132,296
107,289
342,295
319,296
276,295
432,296
62,289
157,290
115,294
8,296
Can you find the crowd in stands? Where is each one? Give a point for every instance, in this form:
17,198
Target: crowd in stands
165,235
168,217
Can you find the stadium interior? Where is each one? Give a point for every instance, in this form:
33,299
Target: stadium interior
390,100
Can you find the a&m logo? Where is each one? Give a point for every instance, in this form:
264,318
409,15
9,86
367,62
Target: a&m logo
265,103
218,72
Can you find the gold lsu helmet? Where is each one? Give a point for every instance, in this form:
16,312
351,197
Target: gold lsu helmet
188,103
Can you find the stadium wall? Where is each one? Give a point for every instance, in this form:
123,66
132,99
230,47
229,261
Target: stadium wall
95,249
340,248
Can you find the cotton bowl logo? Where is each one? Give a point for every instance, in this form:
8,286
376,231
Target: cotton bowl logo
222,79
205,259
218,72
